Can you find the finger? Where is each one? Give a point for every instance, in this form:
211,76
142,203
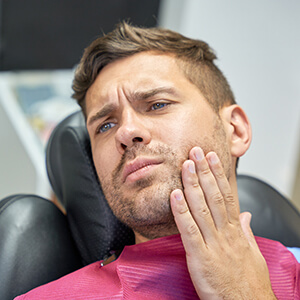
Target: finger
208,183
231,204
196,201
190,233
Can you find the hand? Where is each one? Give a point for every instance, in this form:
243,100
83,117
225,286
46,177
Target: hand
222,256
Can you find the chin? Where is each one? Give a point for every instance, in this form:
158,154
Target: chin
148,208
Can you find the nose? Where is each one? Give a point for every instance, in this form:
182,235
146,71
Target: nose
131,130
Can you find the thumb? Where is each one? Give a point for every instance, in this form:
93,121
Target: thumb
245,220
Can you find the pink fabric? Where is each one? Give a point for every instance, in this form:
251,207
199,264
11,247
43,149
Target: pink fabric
157,270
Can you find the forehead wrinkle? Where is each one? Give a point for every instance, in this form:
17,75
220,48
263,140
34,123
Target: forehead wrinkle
131,96
144,95
108,107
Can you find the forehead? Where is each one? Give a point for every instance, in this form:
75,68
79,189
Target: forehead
144,65
139,72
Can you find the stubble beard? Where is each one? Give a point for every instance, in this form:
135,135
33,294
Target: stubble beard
145,205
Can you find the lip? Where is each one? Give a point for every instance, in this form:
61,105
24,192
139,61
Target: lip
137,165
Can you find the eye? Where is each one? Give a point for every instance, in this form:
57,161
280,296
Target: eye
158,106
105,127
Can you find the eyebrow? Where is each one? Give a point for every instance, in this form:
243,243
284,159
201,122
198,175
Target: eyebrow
104,111
135,96
144,95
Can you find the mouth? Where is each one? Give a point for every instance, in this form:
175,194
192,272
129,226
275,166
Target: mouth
139,168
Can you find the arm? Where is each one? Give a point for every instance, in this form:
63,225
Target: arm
222,256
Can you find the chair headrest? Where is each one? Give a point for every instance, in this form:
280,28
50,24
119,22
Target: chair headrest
74,180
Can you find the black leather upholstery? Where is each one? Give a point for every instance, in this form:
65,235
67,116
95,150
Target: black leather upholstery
73,177
273,216
35,244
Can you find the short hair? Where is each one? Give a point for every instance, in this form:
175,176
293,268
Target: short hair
194,57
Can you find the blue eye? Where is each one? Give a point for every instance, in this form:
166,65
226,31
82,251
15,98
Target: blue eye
158,106
107,126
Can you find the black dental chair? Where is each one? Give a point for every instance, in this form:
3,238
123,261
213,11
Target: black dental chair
38,243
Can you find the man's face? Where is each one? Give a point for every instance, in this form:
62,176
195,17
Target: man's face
143,117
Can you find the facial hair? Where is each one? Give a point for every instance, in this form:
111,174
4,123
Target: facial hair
144,206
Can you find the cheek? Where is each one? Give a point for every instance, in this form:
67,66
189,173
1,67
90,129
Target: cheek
173,130
104,160
184,130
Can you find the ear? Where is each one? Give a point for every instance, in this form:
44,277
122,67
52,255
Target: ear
238,129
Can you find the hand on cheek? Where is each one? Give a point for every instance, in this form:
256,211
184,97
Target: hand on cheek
223,258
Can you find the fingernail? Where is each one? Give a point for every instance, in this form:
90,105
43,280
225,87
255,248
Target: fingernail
213,158
192,167
199,153
178,195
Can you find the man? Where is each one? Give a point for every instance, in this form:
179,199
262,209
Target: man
166,135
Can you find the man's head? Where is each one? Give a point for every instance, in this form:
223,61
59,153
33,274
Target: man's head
144,112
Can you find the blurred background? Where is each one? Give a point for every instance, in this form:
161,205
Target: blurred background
41,41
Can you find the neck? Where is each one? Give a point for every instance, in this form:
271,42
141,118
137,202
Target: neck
139,238
154,232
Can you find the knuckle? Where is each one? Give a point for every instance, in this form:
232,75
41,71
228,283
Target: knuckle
229,198
192,229
217,199
183,210
192,181
195,185
205,171
203,211
219,174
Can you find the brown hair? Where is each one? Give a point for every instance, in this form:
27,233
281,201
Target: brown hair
195,58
